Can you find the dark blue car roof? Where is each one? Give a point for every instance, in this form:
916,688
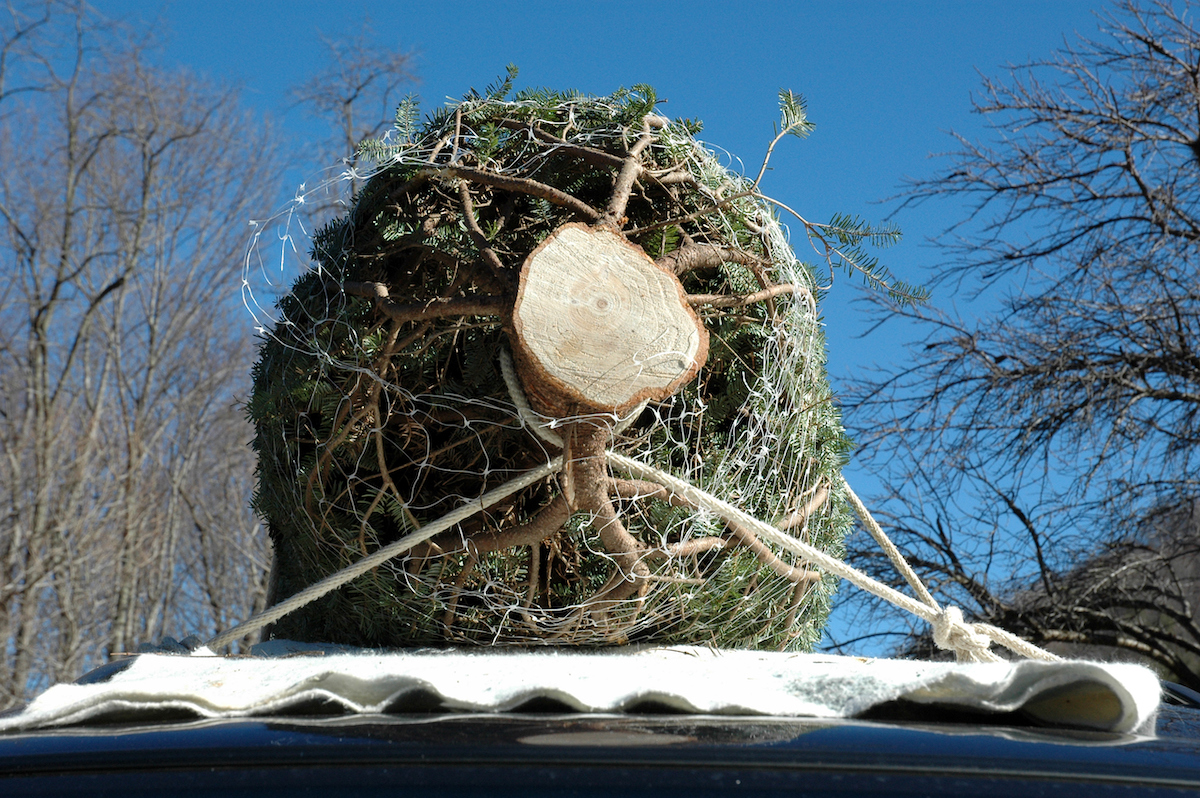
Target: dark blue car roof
534,753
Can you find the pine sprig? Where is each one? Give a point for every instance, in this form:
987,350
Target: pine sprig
408,114
842,242
851,234
497,89
794,115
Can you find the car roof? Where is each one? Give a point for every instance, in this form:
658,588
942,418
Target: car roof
608,753
306,723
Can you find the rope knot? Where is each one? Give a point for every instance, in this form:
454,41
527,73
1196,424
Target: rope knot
952,633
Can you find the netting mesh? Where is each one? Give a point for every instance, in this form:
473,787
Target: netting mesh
381,399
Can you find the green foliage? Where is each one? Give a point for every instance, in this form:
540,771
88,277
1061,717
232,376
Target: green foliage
850,234
794,112
498,89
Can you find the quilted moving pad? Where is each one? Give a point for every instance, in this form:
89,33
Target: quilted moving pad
1103,696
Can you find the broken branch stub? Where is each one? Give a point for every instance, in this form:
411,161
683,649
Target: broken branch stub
598,327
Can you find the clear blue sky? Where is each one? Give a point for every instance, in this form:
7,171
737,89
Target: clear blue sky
885,83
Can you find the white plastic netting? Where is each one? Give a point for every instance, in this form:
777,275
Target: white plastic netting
413,494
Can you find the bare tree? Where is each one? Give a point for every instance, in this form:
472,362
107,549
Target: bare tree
355,97
1030,450
125,474
357,92
124,199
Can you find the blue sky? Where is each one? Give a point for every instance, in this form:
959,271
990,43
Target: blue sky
885,83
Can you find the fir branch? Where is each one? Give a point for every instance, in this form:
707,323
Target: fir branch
741,300
699,214
705,256
440,307
523,184
833,249
631,169
794,123
590,155
490,257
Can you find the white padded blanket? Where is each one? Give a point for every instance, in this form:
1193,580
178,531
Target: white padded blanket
1111,697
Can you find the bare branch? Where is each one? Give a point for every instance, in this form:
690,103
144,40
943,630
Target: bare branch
737,301
523,184
439,308
704,256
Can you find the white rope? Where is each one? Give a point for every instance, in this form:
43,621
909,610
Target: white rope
969,641
950,632
536,422
529,418
330,583
889,548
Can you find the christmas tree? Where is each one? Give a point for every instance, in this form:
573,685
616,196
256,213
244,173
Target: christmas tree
540,278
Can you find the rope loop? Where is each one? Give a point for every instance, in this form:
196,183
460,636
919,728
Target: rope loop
952,633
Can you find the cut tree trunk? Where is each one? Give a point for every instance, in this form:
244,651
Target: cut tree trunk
598,327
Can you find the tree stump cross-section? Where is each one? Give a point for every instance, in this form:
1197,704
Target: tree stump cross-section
598,327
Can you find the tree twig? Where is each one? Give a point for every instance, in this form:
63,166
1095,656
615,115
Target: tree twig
691,257
439,307
741,300
523,184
